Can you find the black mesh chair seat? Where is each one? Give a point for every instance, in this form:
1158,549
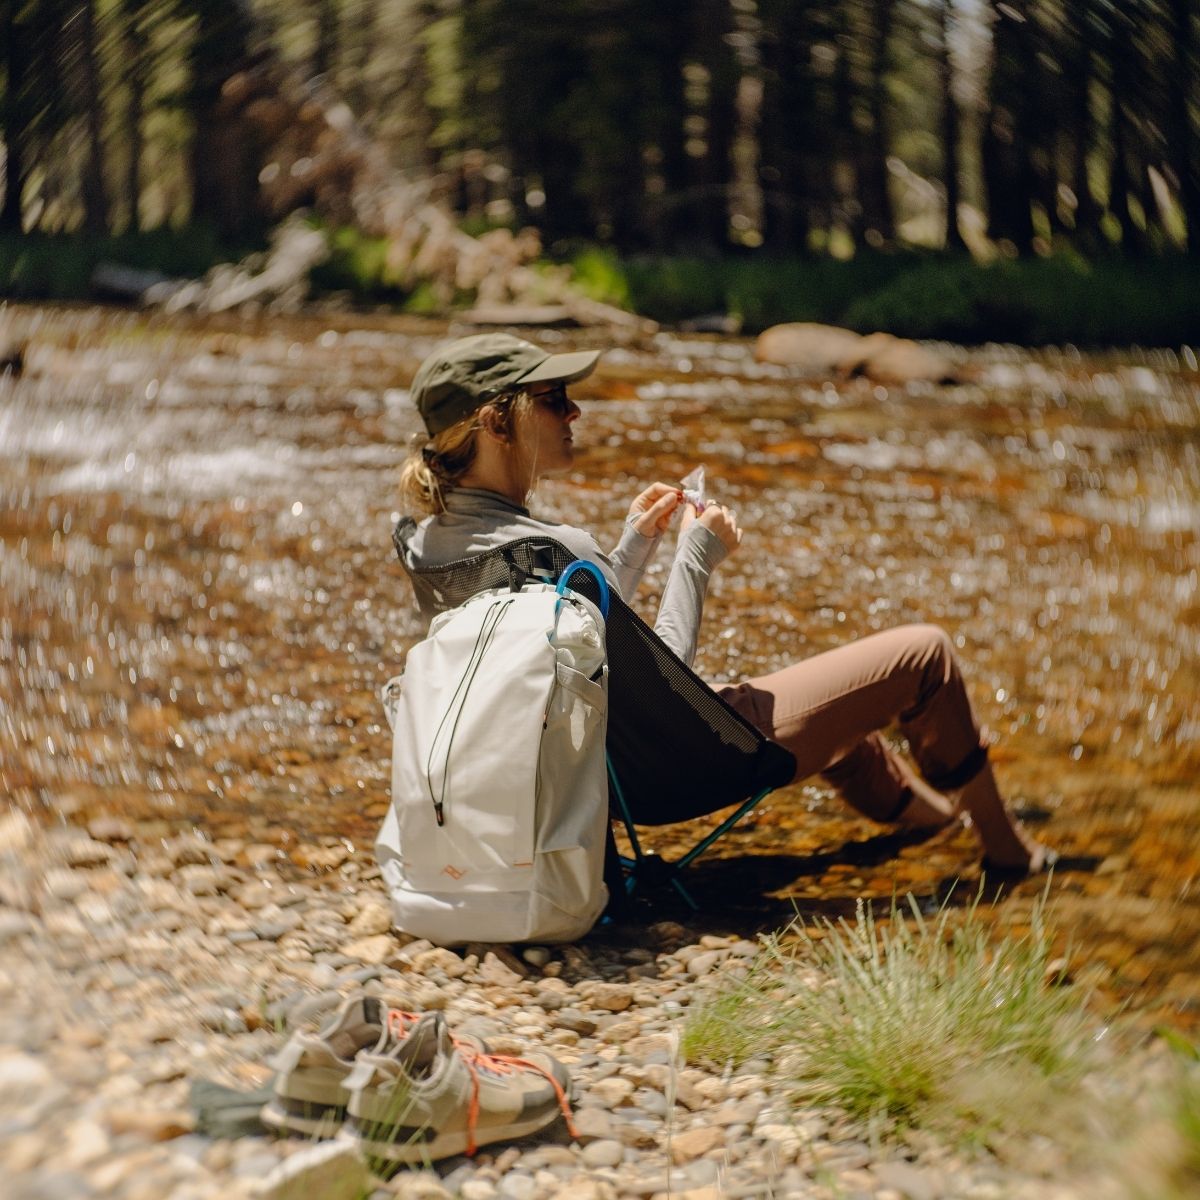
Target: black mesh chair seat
676,750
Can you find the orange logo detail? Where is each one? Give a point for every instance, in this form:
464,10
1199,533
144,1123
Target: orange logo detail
453,872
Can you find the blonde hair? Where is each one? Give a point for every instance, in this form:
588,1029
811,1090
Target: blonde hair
435,465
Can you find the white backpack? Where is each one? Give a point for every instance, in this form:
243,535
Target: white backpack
496,829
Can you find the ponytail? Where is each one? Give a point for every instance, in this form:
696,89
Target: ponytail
435,466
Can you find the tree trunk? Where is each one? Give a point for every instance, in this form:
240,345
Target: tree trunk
786,117
1007,170
1182,137
359,51
325,53
14,116
950,126
838,199
95,199
1087,211
878,215
223,159
712,173
135,15
1119,50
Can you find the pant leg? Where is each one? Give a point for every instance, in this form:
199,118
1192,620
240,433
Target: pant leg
829,709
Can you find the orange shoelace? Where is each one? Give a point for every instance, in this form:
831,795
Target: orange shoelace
505,1064
401,1023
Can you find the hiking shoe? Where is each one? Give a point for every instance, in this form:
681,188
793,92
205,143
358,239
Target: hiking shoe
431,1095
310,1082
310,1097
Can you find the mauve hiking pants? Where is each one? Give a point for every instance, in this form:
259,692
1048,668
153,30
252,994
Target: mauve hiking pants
829,709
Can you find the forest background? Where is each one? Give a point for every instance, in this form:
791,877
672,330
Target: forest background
1019,170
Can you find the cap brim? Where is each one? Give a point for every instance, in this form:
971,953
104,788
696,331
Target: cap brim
564,368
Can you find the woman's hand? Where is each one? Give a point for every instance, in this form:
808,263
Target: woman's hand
652,510
717,518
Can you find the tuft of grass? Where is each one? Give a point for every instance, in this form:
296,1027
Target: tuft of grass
912,1022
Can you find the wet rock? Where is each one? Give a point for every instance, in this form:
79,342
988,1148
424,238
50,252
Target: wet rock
16,832
83,851
812,348
111,829
897,361
827,351
202,880
189,850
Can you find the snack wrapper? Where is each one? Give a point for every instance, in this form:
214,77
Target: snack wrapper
693,489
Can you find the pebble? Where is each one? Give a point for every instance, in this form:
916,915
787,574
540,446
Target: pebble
604,1153
518,1186
330,1170
378,949
695,1142
609,1093
419,1185
151,1125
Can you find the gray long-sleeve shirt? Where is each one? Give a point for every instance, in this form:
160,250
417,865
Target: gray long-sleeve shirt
476,520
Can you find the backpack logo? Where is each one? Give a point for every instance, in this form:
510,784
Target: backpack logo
452,871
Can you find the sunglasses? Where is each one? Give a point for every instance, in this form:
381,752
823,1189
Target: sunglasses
555,398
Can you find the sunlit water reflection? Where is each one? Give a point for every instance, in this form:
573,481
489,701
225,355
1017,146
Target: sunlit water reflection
200,602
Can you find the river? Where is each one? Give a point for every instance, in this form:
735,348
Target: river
200,600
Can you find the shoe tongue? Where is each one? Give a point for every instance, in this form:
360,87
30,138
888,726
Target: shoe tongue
420,1048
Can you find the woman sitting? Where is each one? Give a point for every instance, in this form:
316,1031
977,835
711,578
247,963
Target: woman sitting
498,418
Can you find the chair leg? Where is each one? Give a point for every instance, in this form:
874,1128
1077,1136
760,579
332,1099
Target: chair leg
641,862
702,845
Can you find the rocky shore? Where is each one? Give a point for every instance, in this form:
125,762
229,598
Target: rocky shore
131,969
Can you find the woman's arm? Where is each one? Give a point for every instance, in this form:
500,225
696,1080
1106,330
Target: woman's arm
704,542
649,515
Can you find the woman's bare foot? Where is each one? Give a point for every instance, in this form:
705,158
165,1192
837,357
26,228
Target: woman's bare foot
1006,844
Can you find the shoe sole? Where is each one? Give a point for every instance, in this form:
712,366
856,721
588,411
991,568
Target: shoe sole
445,1145
323,1125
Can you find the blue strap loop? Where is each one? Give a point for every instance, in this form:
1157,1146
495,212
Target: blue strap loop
582,564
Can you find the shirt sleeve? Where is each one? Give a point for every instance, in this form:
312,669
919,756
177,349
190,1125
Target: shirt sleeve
697,555
631,557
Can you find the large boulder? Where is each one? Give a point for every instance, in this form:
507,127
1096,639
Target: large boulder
897,361
815,349
827,351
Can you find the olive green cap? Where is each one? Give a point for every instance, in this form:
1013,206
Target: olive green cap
463,376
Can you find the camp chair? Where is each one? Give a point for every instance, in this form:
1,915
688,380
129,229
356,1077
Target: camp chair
676,750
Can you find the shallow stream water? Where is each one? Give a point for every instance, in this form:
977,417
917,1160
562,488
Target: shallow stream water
199,601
